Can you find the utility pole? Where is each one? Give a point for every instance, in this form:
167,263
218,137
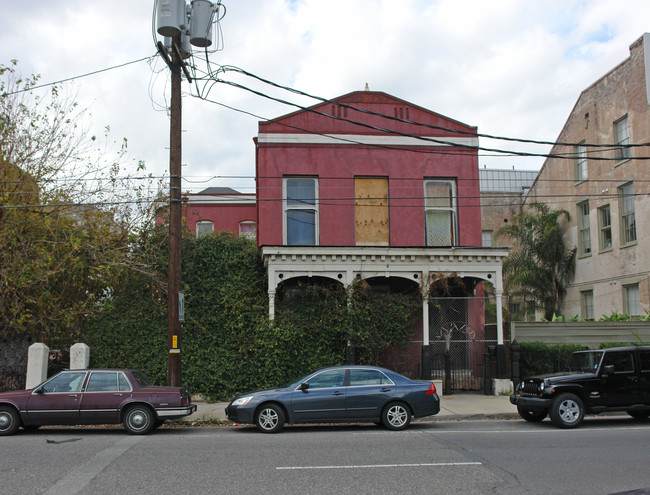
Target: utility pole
174,335
177,23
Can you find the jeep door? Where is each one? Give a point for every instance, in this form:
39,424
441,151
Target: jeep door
622,387
644,376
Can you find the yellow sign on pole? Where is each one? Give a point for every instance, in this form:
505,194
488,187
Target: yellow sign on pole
175,341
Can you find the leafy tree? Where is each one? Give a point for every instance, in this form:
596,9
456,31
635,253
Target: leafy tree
67,212
541,265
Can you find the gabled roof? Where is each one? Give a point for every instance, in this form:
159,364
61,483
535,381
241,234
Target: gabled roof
366,112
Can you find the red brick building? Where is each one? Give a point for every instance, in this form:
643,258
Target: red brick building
368,186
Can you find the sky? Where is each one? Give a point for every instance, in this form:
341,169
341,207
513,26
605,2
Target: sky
512,68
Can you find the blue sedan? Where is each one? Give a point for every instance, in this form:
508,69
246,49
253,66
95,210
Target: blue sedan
339,394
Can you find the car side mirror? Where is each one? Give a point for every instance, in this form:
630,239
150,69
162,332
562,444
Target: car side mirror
304,386
609,370
39,390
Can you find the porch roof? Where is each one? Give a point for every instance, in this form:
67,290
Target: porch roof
418,264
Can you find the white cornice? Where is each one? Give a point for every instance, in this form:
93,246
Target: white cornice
364,139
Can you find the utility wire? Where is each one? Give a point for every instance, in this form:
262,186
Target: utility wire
30,88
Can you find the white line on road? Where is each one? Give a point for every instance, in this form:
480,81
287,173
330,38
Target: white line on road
374,466
79,478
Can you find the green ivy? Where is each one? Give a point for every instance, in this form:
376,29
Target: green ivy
229,345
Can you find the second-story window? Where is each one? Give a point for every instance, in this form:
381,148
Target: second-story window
626,208
440,212
204,227
248,228
581,162
605,227
301,211
584,230
622,138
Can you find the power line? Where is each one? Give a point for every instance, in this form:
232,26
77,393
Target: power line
421,124
30,88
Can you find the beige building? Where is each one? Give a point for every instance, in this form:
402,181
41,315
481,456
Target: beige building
502,197
600,175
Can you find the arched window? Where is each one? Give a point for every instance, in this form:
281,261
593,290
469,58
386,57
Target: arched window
204,227
248,228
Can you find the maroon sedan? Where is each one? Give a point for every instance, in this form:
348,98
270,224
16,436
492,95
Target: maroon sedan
88,397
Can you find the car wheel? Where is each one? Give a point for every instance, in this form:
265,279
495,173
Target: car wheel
139,420
639,414
396,416
532,415
9,421
567,411
270,418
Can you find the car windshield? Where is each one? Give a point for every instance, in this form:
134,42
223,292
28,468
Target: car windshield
584,361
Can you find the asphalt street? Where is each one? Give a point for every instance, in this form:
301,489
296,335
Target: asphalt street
605,455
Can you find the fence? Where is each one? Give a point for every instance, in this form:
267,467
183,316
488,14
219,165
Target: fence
461,331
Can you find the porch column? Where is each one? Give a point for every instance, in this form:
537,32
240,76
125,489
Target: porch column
271,305
499,301
425,319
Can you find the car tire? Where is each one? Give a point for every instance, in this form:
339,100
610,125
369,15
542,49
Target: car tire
396,416
639,414
567,411
139,420
9,420
270,418
532,415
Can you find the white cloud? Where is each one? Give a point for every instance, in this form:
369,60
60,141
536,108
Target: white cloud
509,67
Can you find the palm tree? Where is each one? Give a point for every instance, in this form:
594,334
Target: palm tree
541,265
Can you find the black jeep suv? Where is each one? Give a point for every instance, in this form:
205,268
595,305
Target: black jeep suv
615,379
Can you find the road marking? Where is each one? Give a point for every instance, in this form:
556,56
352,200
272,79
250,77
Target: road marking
376,466
81,476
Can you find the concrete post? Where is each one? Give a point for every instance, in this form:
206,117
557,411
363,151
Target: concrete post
79,356
38,357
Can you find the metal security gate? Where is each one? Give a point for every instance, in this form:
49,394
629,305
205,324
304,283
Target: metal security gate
461,332
460,335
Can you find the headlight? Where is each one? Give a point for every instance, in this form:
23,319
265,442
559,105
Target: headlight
542,385
242,401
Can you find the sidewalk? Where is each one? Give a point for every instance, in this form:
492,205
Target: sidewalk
462,405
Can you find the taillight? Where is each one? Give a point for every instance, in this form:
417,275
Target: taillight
432,390
185,400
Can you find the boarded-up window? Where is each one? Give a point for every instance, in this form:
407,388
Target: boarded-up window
371,211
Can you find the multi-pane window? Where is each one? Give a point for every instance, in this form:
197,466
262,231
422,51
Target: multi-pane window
440,212
605,228
204,227
488,238
301,211
584,232
580,151
587,304
622,139
626,209
631,300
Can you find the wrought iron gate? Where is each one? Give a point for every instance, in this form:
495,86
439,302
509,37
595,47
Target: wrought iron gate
460,334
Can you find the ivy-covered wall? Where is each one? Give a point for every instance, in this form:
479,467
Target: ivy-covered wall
228,343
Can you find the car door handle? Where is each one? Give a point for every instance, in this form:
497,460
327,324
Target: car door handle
73,395
338,393
118,395
385,389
